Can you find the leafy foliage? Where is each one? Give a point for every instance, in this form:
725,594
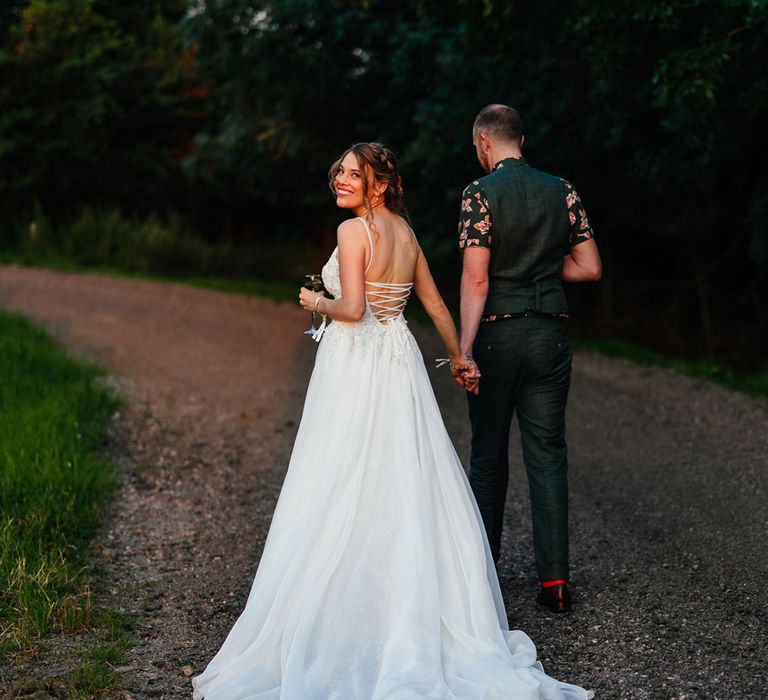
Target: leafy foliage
231,111
98,103
655,110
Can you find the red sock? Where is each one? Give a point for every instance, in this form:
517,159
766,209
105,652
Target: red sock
549,584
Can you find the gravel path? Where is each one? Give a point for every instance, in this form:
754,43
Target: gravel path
668,483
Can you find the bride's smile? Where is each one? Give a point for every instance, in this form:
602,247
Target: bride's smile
355,188
348,184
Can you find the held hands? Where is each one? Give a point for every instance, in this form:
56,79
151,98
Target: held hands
467,375
465,372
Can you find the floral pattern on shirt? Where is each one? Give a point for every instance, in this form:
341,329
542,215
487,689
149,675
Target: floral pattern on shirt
580,229
490,318
475,225
475,222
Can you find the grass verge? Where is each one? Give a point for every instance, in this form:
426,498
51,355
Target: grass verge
54,481
99,664
755,383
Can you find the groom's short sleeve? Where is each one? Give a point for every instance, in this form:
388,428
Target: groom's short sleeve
475,222
580,229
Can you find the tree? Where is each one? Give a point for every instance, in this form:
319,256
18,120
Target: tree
655,110
99,104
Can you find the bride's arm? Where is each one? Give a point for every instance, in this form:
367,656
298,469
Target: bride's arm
352,248
426,289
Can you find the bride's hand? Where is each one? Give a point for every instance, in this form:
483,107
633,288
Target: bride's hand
308,299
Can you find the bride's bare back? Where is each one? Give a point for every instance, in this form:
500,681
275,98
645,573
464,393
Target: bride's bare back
380,262
395,250
390,265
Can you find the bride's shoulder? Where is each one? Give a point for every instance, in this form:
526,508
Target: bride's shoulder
355,224
350,231
351,226
411,233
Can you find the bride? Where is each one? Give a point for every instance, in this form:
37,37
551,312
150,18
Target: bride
376,581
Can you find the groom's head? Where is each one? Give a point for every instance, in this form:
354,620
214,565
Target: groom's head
498,130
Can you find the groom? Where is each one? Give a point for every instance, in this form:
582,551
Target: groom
522,232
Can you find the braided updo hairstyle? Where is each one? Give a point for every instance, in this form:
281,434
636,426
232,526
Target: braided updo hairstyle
378,164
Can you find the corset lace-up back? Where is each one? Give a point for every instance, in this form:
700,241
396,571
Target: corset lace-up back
382,324
387,299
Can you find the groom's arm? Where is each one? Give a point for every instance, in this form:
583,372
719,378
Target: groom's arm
583,263
475,237
474,292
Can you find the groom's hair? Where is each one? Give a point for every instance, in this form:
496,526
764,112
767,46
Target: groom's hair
500,122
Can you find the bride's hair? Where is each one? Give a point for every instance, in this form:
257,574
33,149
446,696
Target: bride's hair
378,163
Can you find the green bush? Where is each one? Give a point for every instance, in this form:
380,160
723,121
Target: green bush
106,239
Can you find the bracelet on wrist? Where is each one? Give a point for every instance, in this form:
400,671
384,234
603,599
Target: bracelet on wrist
465,366
317,308
468,361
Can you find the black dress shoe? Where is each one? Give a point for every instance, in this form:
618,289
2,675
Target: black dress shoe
557,598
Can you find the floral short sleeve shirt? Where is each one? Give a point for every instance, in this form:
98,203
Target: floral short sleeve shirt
580,230
476,222
475,225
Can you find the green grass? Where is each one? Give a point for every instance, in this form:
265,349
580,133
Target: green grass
755,383
98,671
54,482
98,668
114,625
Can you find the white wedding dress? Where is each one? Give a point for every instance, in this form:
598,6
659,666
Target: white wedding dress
376,581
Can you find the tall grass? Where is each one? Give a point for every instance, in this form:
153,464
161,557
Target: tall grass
53,481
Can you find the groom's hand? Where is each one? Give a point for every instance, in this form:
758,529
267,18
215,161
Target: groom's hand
467,376
472,379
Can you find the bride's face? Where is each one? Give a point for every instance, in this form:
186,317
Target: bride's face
349,184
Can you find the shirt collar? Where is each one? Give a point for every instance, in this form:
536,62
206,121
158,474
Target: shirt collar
509,162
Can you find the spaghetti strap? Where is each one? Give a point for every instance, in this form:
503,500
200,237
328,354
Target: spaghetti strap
386,300
370,241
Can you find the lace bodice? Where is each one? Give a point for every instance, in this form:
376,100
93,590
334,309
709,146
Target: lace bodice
330,274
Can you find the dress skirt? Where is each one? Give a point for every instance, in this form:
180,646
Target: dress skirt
376,581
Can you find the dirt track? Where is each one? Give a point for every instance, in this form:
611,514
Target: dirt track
668,482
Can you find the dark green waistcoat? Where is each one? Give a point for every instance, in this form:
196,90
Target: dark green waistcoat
529,239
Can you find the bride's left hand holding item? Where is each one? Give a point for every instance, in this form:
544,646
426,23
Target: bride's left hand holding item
309,299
